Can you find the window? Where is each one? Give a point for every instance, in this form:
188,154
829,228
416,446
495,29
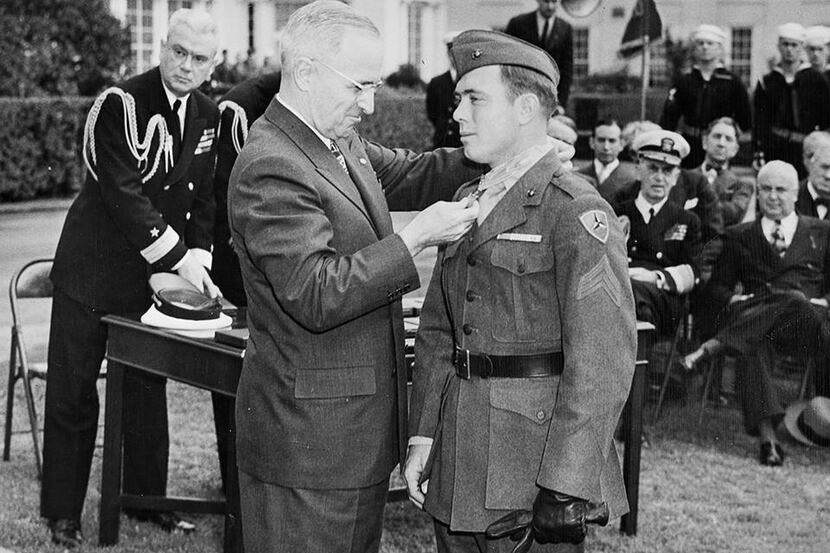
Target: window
742,53
580,38
140,22
415,32
660,70
173,5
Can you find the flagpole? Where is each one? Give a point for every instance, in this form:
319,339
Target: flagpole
645,72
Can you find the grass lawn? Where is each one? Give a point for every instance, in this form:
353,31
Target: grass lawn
702,490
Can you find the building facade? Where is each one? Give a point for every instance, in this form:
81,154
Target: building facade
413,29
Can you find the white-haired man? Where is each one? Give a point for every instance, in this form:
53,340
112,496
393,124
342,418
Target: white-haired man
706,92
782,261
146,206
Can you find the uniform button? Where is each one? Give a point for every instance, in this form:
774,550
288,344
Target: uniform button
187,215
659,255
633,248
467,329
521,268
540,414
629,260
471,295
362,161
190,186
471,261
167,187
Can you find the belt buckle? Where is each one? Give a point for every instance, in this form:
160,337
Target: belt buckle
462,364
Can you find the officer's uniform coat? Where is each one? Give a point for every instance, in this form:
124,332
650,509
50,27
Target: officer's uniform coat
697,102
131,218
784,113
531,279
671,239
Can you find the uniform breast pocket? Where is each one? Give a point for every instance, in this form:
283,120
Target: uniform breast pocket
523,291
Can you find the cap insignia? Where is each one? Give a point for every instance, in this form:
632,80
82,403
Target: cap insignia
476,54
667,145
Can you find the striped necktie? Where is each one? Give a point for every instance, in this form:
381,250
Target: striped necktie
339,155
777,239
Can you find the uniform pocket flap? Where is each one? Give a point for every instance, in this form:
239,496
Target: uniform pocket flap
532,398
522,257
338,382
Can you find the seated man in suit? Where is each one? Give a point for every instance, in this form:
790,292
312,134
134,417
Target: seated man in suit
605,169
720,145
814,190
782,261
664,238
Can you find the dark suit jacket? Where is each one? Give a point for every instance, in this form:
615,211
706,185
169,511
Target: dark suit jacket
805,204
133,218
497,440
440,107
622,176
322,398
559,45
238,109
734,195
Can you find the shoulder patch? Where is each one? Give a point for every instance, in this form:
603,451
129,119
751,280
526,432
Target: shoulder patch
596,223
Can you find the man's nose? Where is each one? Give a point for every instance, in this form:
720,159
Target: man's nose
366,102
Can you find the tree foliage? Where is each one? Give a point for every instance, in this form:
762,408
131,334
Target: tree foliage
59,47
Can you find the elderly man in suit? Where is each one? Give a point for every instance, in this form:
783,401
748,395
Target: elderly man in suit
782,261
554,35
605,169
720,145
146,206
814,190
322,401
663,238
526,346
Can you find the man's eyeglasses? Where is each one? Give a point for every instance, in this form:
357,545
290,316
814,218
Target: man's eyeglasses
360,87
180,55
779,190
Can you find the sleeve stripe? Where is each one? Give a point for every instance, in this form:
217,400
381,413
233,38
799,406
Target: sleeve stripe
161,246
683,277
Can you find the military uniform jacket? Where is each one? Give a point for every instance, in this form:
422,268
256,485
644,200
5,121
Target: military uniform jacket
670,239
559,45
799,107
321,402
698,102
545,272
139,210
440,107
239,108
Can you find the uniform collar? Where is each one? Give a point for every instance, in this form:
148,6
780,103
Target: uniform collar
643,205
172,97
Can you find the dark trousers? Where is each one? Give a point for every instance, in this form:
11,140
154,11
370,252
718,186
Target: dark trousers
77,344
277,519
659,307
474,542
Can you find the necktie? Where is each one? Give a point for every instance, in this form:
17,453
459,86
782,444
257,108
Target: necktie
175,128
339,155
650,215
778,242
491,192
543,37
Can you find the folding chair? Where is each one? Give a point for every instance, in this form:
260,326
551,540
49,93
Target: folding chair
682,335
29,282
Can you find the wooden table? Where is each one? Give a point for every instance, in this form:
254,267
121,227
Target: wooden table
216,367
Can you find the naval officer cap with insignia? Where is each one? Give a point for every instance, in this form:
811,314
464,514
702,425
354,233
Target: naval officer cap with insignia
659,153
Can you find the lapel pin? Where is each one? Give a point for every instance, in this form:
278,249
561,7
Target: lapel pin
362,161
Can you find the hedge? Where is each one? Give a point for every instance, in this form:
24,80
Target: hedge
40,137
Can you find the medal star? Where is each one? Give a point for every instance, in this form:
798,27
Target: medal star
154,232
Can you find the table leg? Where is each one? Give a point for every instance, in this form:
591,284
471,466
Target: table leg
233,518
633,433
110,508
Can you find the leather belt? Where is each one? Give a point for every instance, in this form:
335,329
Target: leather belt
787,134
483,365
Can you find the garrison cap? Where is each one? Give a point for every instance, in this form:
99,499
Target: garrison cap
661,145
710,32
791,31
477,48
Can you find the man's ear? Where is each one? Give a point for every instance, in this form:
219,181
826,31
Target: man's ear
302,71
528,107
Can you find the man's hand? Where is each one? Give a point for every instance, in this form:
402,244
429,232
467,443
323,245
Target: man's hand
416,458
561,518
193,271
643,275
822,302
739,297
439,223
565,152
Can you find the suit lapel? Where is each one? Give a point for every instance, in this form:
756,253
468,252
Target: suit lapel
367,186
802,241
194,125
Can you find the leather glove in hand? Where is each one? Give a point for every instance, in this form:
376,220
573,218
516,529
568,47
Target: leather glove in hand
561,518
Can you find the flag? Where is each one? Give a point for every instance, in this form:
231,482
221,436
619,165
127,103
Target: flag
645,21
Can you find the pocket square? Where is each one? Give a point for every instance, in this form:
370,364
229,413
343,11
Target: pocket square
690,204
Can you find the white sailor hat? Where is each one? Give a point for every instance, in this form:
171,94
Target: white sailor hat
710,32
817,35
792,31
661,145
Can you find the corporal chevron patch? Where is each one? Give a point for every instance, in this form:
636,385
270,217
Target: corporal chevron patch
600,278
596,223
